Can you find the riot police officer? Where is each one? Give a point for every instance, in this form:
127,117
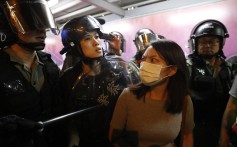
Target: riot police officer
142,40
210,80
92,81
28,76
70,60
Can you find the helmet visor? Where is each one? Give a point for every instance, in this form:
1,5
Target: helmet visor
26,15
144,40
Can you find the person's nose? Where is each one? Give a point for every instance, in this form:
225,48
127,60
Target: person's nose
208,44
96,40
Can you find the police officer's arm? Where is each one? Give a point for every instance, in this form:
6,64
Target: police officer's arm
11,126
230,112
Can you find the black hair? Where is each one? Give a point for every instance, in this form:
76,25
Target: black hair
178,83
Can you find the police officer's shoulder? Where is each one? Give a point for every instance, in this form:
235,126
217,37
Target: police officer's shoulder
65,75
227,63
4,56
43,55
71,71
189,61
67,70
47,60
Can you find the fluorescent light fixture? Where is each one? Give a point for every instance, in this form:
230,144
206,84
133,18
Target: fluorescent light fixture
75,13
65,6
52,3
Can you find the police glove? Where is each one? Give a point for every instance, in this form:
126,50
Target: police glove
15,130
12,123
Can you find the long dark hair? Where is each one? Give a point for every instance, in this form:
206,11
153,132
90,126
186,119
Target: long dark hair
178,83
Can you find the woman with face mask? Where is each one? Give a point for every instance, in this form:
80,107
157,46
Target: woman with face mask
150,114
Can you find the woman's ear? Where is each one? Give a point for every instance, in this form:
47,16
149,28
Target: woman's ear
173,70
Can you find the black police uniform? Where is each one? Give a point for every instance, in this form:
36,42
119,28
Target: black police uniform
19,97
209,95
104,89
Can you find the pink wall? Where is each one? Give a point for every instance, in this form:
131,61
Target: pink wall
175,25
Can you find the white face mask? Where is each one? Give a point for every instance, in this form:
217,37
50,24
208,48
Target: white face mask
150,74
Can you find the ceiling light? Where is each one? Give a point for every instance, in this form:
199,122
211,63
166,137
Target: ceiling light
52,3
131,8
111,1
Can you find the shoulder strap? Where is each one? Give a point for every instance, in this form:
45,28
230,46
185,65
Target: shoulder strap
51,70
183,121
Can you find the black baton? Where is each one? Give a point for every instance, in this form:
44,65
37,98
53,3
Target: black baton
69,115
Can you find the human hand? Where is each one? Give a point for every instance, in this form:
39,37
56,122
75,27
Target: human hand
115,41
12,123
17,131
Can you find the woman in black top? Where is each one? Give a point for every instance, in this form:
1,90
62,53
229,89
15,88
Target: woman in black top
92,81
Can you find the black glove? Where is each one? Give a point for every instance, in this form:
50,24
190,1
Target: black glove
15,130
12,123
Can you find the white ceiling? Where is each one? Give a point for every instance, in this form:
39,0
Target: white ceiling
116,9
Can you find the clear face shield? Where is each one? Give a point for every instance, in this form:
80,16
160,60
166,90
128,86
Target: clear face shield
29,15
144,40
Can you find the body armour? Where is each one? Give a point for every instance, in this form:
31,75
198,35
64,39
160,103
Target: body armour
19,97
209,94
103,88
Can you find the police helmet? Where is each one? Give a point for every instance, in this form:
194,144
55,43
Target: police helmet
7,37
22,16
143,38
27,15
74,30
208,27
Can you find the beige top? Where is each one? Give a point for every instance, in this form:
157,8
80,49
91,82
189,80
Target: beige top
149,120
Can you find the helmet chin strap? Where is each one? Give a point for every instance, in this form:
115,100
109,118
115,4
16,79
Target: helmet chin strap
37,46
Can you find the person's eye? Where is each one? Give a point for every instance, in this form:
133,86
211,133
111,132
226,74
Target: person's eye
97,36
214,41
87,38
153,60
202,41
